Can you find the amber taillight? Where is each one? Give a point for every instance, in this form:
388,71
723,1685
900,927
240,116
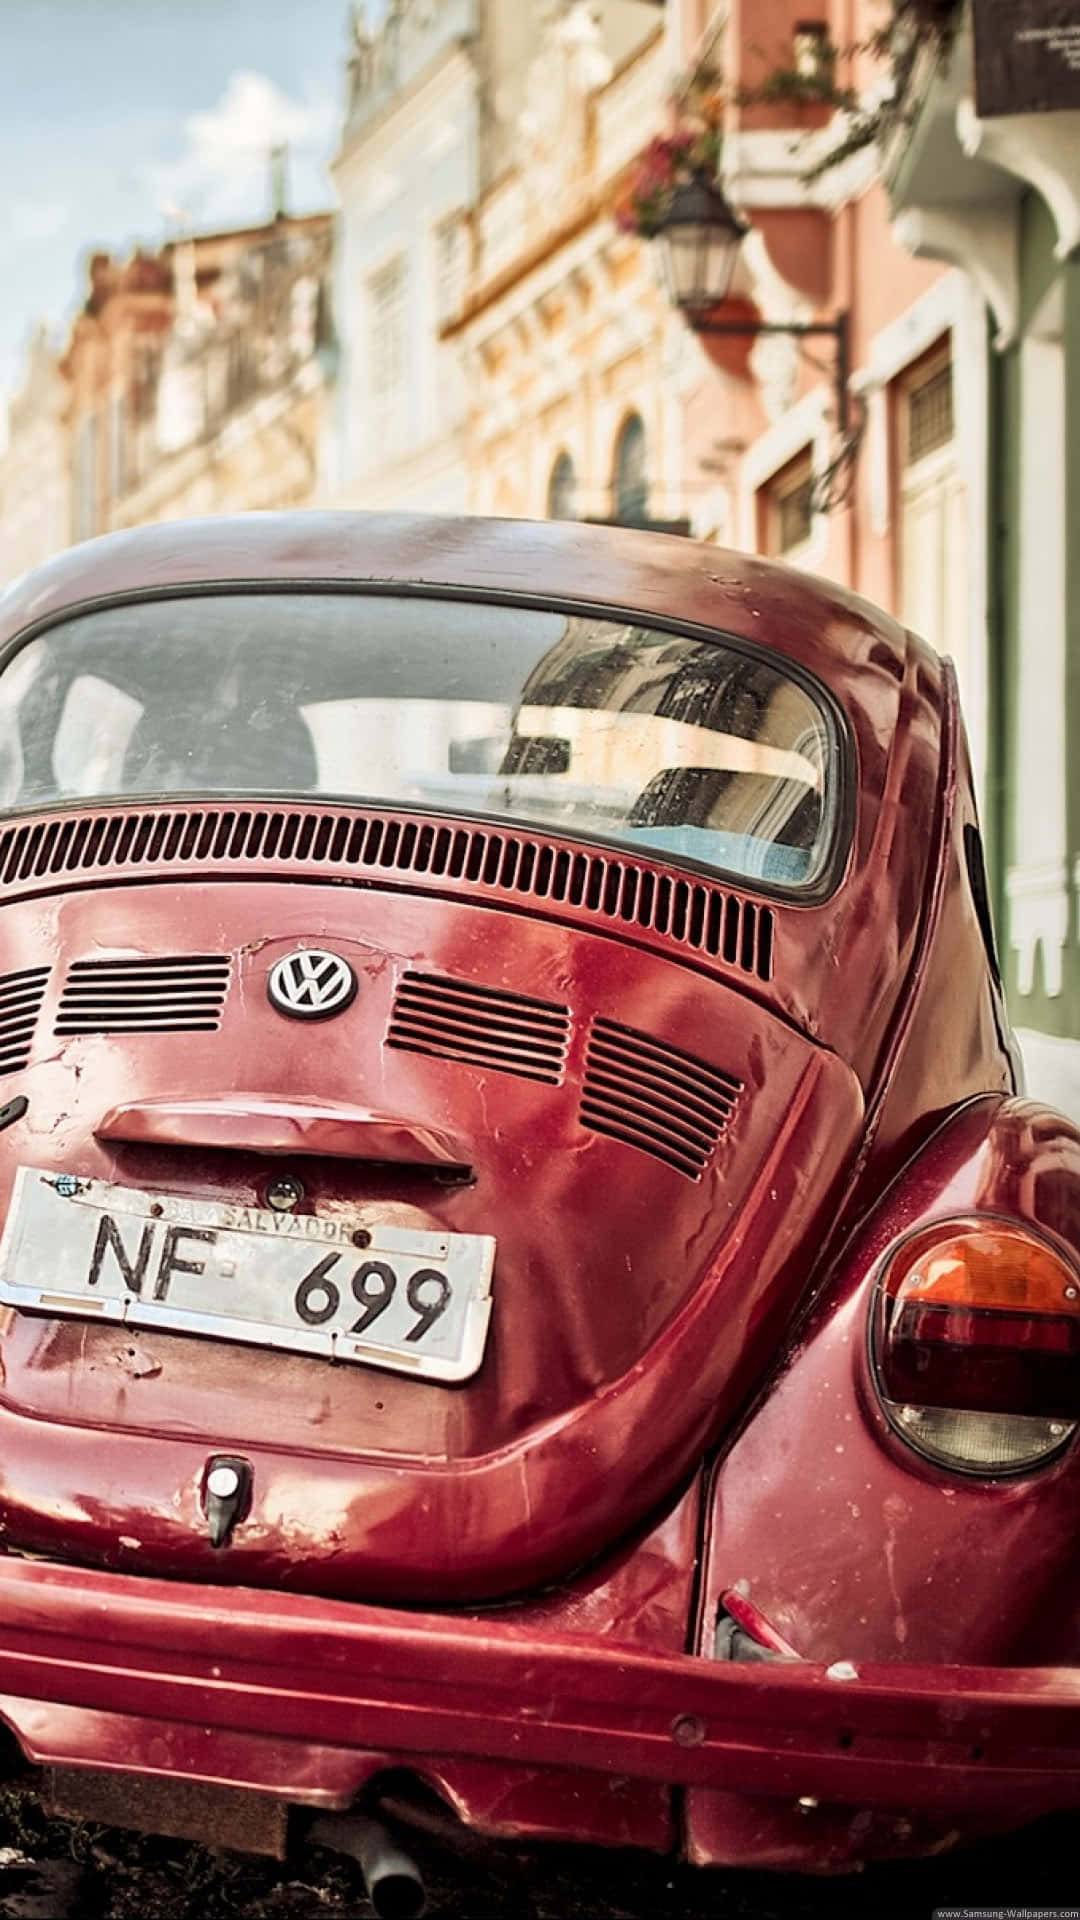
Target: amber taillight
978,1317
986,1318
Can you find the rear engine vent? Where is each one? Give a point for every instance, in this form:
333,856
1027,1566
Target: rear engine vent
655,1097
183,995
481,1025
21,995
648,902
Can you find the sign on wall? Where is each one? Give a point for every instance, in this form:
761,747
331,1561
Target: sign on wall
1027,56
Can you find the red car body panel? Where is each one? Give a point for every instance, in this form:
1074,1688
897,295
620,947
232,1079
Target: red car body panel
410,1490
357,1690
676,1394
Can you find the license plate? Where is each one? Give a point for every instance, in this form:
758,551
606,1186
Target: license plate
412,1301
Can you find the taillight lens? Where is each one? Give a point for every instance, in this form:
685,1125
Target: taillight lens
975,1339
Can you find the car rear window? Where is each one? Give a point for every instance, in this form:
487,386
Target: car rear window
702,750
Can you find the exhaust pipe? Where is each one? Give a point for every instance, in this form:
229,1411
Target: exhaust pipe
392,1879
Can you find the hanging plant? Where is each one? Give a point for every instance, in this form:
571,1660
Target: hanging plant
692,146
694,142
669,161
912,29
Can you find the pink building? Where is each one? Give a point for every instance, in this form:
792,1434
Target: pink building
858,453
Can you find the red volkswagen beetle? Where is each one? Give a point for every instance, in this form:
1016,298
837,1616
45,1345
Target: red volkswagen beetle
528,1280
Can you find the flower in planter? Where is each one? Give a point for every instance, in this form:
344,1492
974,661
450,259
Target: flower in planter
668,161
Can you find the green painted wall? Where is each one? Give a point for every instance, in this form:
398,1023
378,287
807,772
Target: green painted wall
1071,272
1059,1015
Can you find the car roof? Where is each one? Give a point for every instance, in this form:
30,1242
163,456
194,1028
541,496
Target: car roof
831,632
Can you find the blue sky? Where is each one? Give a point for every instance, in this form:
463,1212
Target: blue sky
115,114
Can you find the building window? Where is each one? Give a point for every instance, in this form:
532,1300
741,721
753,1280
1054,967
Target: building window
933,510
118,451
789,508
387,357
631,483
303,316
86,457
449,268
929,395
562,490
811,49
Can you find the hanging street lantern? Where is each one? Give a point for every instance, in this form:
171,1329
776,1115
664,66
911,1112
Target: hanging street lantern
699,235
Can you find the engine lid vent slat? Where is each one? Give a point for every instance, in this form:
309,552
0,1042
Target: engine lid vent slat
21,995
674,909
481,1026
169,994
655,1097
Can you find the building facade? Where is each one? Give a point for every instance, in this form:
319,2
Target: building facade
573,361
477,271
929,462
35,476
984,174
406,175
862,460
193,380
197,377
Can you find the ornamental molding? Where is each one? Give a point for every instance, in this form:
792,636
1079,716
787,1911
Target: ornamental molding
1038,899
981,241
777,300
550,135
767,168
1042,149
444,91
592,250
384,59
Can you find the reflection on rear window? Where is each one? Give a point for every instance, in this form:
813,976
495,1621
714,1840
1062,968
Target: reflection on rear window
699,750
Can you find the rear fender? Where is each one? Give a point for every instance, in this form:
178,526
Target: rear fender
857,1549
854,1546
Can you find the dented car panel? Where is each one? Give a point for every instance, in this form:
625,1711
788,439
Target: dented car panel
486,1136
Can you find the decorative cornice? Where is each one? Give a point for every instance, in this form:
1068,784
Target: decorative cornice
1042,149
543,248
774,167
402,116
982,241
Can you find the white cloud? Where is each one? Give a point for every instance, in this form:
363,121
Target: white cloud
223,171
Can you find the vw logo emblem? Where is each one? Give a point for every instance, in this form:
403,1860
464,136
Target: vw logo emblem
311,984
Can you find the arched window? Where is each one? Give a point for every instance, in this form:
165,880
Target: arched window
630,482
562,490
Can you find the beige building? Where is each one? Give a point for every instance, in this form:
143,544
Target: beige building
210,401
194,380
35,479
573,361
497,336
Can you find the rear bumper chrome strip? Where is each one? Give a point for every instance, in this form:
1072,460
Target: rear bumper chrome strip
293,1695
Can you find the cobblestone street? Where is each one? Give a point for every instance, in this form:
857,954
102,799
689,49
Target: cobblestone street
49,1871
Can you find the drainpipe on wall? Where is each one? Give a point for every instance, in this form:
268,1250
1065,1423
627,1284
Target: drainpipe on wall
994,824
